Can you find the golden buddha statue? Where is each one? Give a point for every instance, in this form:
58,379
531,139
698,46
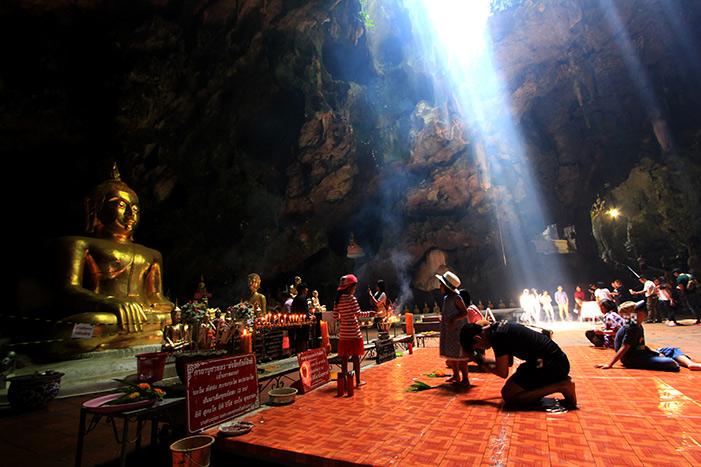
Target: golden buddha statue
107,279
177,335
256,299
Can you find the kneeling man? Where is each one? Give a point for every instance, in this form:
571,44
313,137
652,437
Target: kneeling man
545,368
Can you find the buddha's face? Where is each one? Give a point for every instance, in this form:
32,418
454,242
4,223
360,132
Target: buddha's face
119,214
253,283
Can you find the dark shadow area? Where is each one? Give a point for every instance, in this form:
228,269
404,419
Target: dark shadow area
498,403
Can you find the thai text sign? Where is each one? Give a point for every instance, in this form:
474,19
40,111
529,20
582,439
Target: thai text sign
313,369
385,350
220,389
82,331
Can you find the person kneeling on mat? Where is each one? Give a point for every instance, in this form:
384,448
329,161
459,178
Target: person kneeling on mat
545,369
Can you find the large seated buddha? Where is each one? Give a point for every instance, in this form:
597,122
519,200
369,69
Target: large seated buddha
107,280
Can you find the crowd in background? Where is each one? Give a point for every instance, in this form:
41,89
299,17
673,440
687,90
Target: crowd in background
666,297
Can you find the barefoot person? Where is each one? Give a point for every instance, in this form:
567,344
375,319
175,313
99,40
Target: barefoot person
545,369
453,313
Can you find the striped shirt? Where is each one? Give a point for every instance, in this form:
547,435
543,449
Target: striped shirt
473,314
346,313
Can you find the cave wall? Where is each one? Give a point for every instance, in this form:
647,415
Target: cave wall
261,134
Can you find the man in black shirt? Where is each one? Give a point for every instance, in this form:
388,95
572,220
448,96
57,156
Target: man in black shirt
299,338
300,305
619,292
545,368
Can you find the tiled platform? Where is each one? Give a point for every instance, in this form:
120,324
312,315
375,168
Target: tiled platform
626,417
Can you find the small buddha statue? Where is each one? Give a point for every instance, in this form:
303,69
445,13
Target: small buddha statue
177,335
416,309
255,298
201,294
315,304
294,286
436,310
426,310
207,335
106,278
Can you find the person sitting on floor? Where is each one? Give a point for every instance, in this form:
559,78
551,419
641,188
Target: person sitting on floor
545,369
612,322
633,353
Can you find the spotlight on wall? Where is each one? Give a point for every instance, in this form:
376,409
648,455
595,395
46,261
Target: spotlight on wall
613,213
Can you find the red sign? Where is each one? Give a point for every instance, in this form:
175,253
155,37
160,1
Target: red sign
313,369
220,389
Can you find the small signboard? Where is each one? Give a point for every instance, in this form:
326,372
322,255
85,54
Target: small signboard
314,369
220,389
385,350
82,331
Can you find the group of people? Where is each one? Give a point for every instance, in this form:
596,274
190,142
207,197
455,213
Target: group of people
298,301
465,335
532,303
666,297
624,333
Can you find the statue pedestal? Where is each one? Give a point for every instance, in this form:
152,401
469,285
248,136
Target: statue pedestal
94,371
55,341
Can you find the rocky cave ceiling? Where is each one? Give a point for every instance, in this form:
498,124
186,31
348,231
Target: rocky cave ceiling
260,134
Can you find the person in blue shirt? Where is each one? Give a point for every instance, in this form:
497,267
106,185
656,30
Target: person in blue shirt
633,353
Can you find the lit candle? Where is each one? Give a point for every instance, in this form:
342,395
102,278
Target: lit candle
246,342
325,344
409,320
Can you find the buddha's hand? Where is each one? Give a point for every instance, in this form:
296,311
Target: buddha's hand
131,315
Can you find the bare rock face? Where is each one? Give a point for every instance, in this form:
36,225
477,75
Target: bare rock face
655,203
325,171
261,133
435,141
447,191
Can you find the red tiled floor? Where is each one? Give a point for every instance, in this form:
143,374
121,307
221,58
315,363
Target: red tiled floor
626,417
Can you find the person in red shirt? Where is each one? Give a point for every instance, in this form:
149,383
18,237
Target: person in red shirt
579,298
346,312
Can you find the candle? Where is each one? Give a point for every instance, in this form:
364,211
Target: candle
325,344
246,342
409,319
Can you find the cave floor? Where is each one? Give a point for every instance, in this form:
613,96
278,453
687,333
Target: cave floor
626,417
